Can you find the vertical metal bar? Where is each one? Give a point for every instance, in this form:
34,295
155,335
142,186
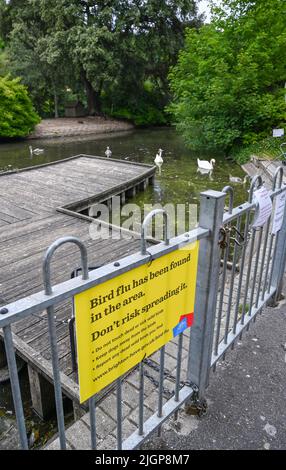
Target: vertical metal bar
201,337
242,264
119,412
161,382
161,386
16,392
255,183
71,324
179,365
141,399
274,261
255,270
57,378
248,275
226,332
262,262
92,422
279,259
220,308
267,272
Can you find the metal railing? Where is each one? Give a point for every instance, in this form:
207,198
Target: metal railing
245,271
227,300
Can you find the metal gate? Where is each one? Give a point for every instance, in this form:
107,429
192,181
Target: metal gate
240,269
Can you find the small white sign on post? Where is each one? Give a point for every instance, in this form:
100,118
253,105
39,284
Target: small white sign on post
278,132
278,213
262,197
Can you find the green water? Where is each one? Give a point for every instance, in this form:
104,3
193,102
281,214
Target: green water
178,183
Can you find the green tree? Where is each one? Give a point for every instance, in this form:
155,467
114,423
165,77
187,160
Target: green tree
149,46
18,117
228,84
3,59
39,61
109,47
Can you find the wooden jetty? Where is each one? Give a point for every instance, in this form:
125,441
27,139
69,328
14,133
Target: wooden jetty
37,206
267,168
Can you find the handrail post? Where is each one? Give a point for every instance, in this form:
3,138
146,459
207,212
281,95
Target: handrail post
52,327
201,338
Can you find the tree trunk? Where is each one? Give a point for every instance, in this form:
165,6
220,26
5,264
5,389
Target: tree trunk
93,101
56,102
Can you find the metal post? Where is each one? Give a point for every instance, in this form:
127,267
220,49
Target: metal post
119,412
161,382
141,399
201,339
56,376
17,399
279,261
92,422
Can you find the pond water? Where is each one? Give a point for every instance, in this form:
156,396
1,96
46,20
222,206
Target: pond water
179,182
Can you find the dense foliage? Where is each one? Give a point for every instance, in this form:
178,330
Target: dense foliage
113,55
228,84
17,117
268,148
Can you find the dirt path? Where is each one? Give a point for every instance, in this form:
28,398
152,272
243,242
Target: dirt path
65,127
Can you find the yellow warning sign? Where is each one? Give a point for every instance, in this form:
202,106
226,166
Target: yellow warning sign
125,319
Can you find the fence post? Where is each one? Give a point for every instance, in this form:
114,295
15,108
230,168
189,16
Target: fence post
279,260
201,338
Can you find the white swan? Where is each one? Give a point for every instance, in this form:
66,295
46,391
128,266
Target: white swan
159,160
205,165
206,172
108,152
35,151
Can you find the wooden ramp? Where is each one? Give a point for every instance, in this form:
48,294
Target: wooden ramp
37,206
267,167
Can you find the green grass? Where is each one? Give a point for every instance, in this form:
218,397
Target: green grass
268,149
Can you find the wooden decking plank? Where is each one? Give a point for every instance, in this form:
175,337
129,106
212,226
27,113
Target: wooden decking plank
62,268
29,329
42,342
3,223
30,226
8,218
58,225
34,245
110,169
55,187
63,184
35,194
37,210
30,200
13,210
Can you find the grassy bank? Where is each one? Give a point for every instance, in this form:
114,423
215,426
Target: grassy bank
267,148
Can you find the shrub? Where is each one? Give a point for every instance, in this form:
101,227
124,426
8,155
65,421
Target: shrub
17,115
